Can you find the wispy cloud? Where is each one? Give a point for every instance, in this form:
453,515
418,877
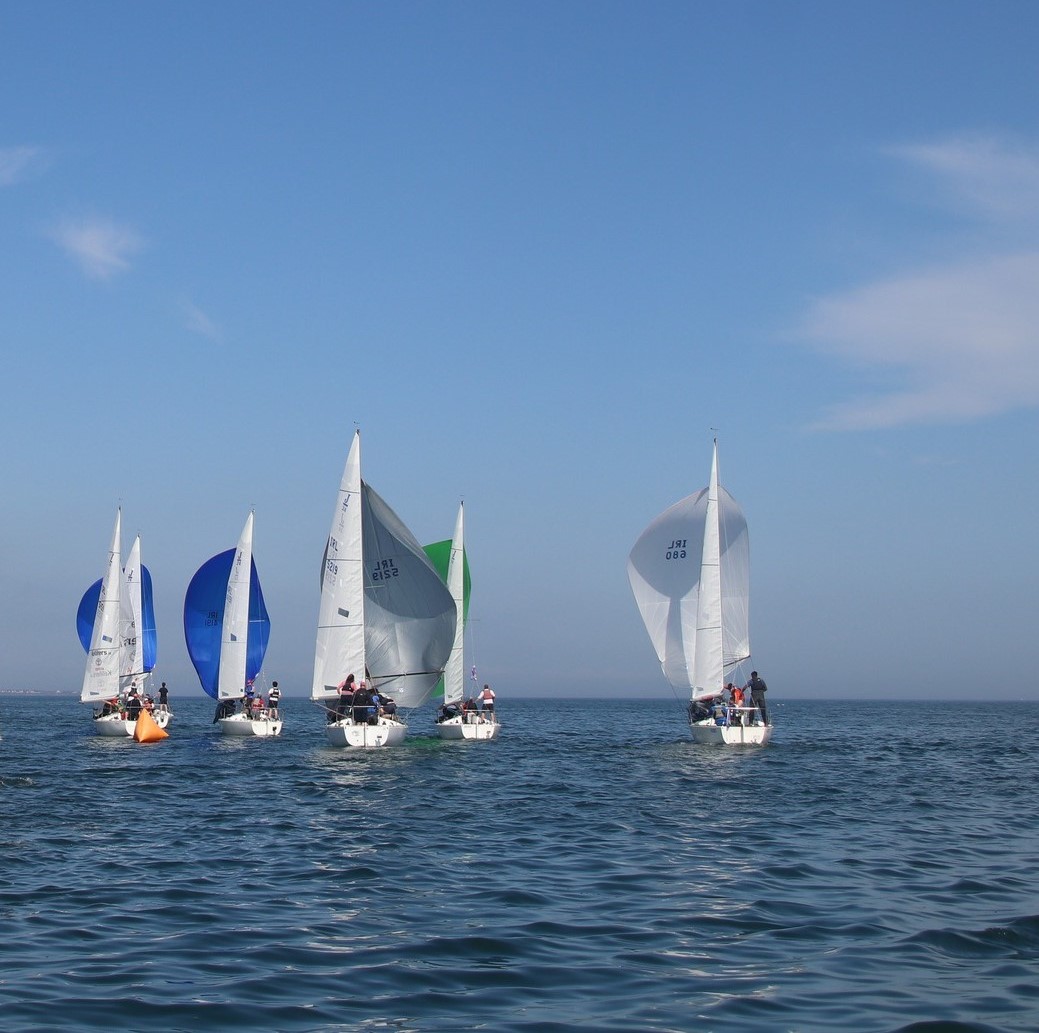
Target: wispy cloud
17,163
955,342
199,323
962,343
101,247
995,177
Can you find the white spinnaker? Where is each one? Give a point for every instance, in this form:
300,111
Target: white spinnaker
664,569
454,672
409,614
234,640
101,677
339,649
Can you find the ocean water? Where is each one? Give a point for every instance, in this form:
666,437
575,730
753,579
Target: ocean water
873,869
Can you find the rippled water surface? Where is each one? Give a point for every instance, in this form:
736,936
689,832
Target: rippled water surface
874,868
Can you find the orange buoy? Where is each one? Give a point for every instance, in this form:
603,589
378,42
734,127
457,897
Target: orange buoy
147,730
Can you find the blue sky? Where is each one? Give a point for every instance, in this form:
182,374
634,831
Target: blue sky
536,252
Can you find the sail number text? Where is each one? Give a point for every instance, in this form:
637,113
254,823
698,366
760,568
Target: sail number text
384,570
677,549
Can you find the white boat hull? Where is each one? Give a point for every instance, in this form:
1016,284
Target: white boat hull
112,726
243,725
388,732
710,733
477,730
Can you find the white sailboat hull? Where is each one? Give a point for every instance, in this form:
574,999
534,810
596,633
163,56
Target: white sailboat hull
345,732
113,726
243,725
710,733
477,730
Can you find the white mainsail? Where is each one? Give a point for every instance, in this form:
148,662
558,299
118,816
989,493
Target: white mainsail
708,666
132,634
101,677
454,672
690,575
385,615
339,650
234,639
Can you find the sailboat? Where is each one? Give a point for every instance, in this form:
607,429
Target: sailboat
385,616
227,627
116,625
690,575
454,721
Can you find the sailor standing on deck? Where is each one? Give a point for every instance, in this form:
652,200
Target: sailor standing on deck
346,699
273,699
486,700
362,700
758,688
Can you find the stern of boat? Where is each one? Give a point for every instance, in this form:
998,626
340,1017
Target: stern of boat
244,725
710,733
476,729
361,735
112,726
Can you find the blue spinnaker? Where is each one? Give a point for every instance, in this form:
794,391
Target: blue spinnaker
204,619
86,613
151,638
